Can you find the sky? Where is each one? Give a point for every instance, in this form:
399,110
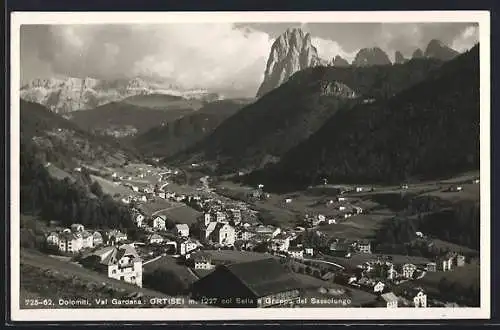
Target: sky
224,57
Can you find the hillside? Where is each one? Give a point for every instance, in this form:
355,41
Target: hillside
178,135
71,93
427,131
265,130
61,142
163,102
126,117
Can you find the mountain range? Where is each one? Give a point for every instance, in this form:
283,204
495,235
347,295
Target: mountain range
62,142
293,51
71,94
289,114
427,131
176,136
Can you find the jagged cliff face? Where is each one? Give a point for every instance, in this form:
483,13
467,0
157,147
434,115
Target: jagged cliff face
418,53
399,58
371,56
71,94
436,49
291,52
339,61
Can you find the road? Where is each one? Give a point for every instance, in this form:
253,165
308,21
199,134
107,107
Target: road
167,209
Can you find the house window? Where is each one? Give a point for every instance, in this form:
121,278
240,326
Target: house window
122,278
113,271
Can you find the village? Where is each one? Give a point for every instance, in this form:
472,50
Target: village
218,240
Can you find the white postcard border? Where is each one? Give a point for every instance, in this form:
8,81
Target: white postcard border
206,314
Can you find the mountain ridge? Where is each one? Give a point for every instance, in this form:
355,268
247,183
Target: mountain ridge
402,137
71,94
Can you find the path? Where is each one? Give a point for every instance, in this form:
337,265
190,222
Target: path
167,209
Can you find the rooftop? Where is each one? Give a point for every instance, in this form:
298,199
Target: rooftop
264,277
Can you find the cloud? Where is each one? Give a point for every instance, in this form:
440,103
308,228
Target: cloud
191,55
465,40
217,56
328,49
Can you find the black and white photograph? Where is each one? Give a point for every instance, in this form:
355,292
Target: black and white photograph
252,165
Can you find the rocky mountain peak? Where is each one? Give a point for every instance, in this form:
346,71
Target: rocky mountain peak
371,56
418,53
339,61
438,50
291,52
399,58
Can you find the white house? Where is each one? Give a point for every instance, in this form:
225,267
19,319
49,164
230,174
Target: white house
155,239
357,210
378,287
121,263
202,261
280,243
309,251
408,270
116,236
288,200
70,242
187,247
221,216
419,298
87,240
207,218
332,221
97,238
182,230
76,227
341,208
341,199
390,299
224,234
53,238
160,222
139,219
296,252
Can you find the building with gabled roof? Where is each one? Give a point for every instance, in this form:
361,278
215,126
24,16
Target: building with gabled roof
390,300
260,283
121,263
181,230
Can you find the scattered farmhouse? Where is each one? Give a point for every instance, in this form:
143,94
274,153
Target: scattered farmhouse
389,299
121,263
181,230
160,222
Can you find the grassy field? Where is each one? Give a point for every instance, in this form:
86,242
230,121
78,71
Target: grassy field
58,173
470,192
233,256
109,187
466,276
157,206
182,214
40,260
358,226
